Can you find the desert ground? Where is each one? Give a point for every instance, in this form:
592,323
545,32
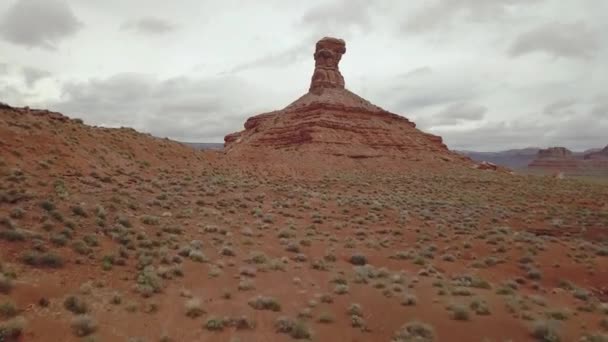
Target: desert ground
113,235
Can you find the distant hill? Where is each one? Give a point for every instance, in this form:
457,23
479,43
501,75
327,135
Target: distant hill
205,146
514,159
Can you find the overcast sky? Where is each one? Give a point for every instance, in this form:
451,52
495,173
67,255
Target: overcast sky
484,74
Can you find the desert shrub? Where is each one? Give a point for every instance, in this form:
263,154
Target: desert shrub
341,289
242,323
47,205
581,294
283,324
358,259
11,330
460,313
604,323
75,305
326,318
6,284
17,213
81,247
116,299
194,308
534,274
79,211
545,331
12,235
150,220
357,321
355,310
461,291
300,331
214,323
265,303
59,239
293,247
246,285
409,300
296,329
38,259
594,337
480,307
227,251
83,325
415,331
91,240
8,310
148,281
197,256
560,315
305,313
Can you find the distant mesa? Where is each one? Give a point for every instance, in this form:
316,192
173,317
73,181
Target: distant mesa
558,159
600,155
561,159
331,120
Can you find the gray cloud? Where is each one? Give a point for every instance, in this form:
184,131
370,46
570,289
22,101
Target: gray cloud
439,14
459,112
569,40
600,107
340,15
418,72
38,23
33,75
560,107
526,133
423,87
181,107
149,25
279,59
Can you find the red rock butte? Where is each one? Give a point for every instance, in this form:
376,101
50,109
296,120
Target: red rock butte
330,120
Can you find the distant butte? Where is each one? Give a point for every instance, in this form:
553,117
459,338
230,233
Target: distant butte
560,159
331,120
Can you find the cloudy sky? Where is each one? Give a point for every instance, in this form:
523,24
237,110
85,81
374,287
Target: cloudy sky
484,74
